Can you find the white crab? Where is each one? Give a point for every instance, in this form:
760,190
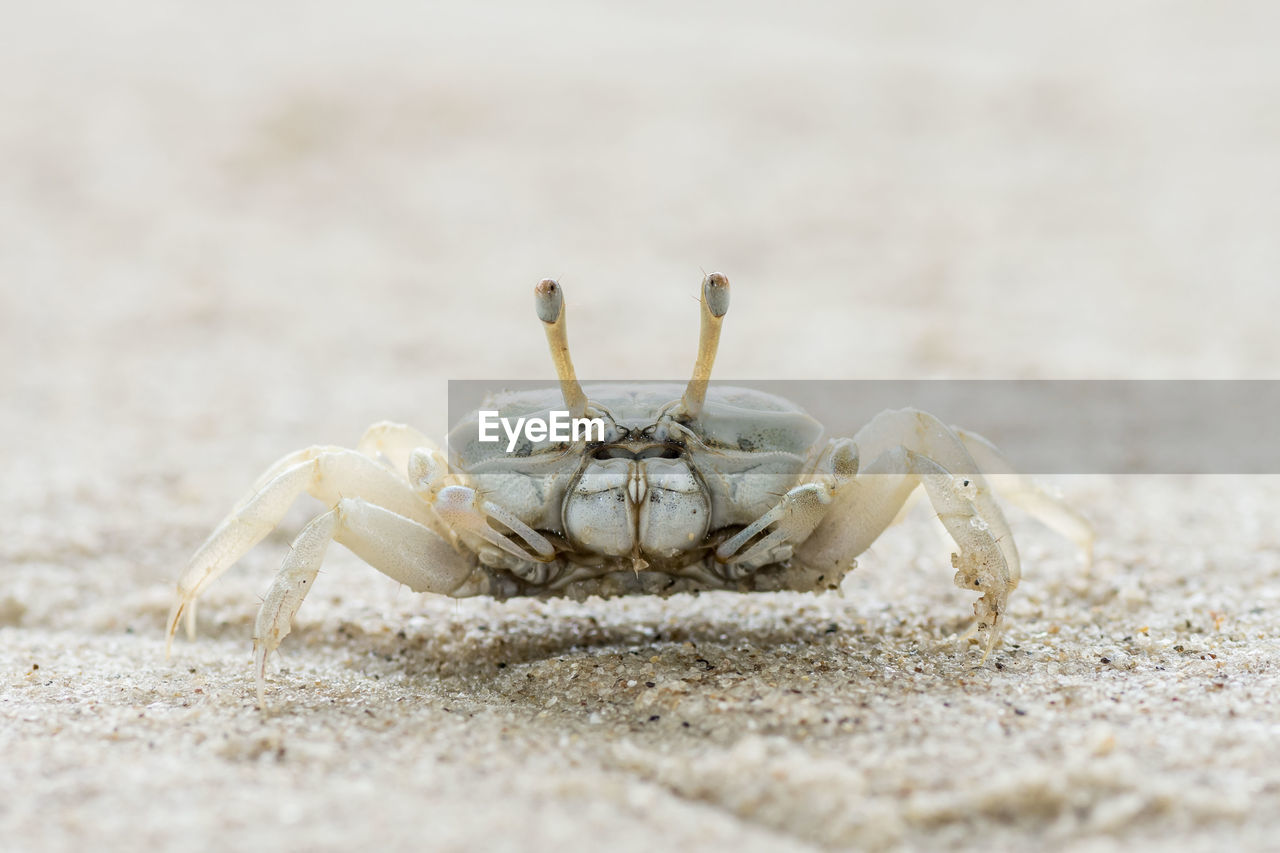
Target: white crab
692,488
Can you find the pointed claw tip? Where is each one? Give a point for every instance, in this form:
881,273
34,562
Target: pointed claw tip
175,614
260,672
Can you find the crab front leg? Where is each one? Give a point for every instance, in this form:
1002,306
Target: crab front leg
327,473
1027,495
399,547
1022,492
908,449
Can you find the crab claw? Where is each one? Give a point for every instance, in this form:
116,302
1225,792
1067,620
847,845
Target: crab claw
974,573
464,509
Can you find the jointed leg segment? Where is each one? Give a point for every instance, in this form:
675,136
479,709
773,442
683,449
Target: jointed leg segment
400,548
1027,495
394,443
910,448
393,502
327,473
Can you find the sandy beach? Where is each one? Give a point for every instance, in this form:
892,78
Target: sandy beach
228,233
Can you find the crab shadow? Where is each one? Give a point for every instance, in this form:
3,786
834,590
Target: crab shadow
717,631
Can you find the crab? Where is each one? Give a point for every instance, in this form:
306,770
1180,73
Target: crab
685,488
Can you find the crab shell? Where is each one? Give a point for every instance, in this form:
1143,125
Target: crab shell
642,511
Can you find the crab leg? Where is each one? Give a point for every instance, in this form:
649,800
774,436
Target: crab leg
391,441
1025,493
394,443
981,562
399,547
922,433
911,448
326,473
868,504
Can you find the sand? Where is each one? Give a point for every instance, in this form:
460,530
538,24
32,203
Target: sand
232,232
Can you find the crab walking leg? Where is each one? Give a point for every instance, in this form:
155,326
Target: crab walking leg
284,463
393,442
1025,493
400,548
325,473
864,506
922,433
981,563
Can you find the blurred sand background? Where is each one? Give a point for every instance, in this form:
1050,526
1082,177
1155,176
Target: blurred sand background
232,230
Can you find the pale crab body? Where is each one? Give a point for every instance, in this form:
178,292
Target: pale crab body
644,509
683,488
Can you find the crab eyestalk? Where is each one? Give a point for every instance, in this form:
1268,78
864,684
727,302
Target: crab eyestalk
549,301
715,304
